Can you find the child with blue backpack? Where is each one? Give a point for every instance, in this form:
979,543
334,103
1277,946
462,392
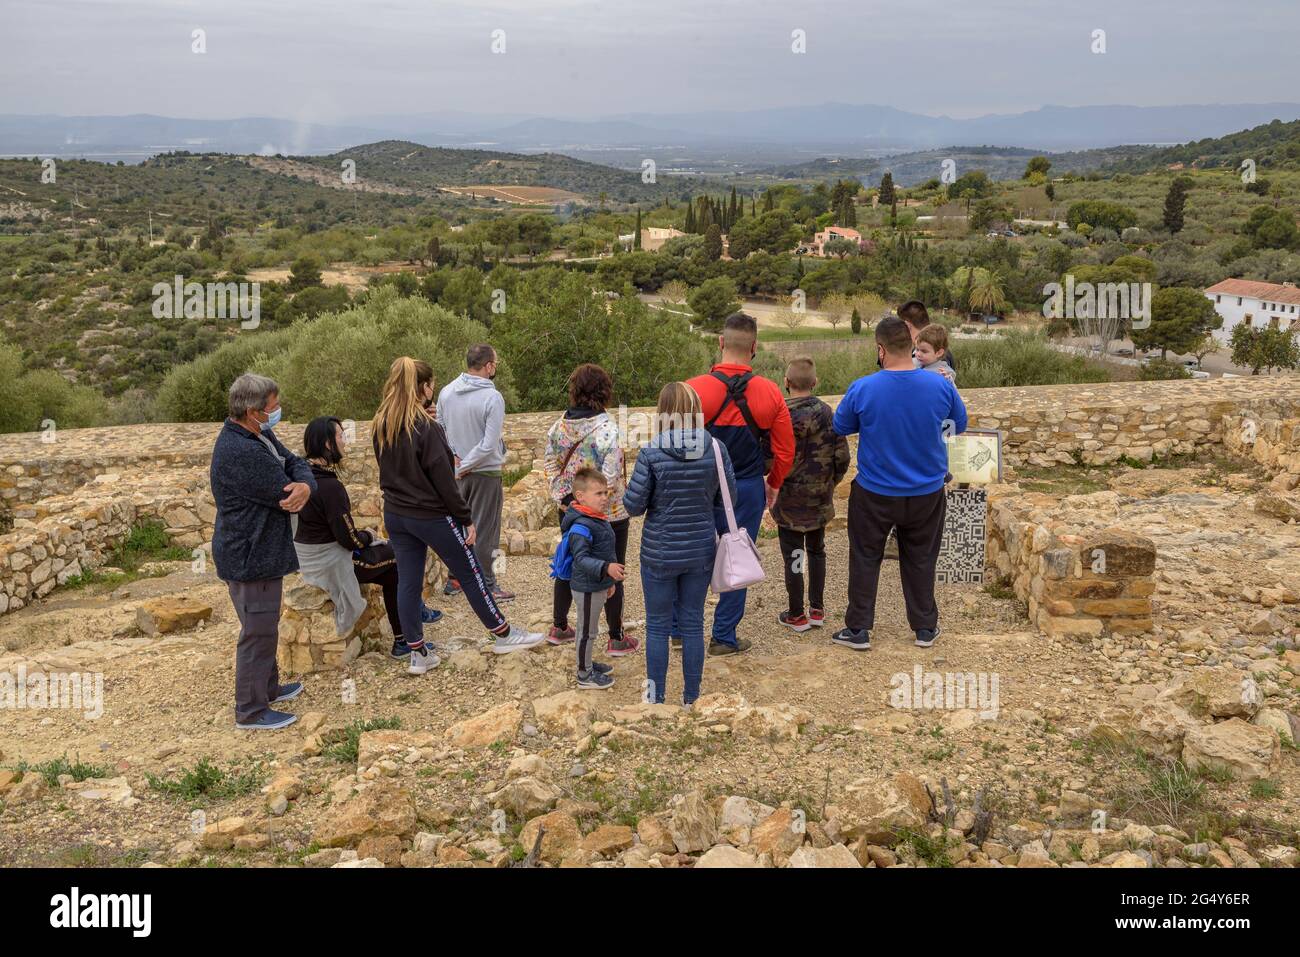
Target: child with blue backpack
586,557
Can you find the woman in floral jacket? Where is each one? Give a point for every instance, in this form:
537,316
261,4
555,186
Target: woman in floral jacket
587,437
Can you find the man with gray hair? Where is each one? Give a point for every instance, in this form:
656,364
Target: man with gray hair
473,414
257,484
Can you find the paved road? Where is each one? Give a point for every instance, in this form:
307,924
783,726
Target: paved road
1216,364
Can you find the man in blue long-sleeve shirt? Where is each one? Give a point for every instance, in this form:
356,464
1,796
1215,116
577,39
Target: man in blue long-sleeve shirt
256,484
902,416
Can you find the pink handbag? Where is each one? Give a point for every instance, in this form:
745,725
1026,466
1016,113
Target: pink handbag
736,565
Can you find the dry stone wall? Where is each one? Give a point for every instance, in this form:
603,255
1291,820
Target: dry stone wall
1077,580
70,496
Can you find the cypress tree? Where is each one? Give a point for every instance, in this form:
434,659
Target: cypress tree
689,227
1175,200
887,189
855,322
636,238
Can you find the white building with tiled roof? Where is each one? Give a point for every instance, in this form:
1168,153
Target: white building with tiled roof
1261,304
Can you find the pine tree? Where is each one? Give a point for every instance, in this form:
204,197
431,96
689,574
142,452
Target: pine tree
636,237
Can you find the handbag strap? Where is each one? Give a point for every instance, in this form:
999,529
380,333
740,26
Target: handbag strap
722,487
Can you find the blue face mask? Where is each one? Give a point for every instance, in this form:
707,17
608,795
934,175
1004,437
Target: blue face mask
272,421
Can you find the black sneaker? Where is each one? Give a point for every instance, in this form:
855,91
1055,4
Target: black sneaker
719,648
601,667
593,679
925,637
850,638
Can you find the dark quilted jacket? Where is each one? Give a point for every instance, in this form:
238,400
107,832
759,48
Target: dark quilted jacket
821,458
675,485
591,557
252,538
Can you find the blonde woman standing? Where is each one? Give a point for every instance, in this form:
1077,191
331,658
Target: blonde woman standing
675,485
424,509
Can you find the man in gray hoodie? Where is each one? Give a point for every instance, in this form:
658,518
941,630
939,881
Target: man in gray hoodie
472,413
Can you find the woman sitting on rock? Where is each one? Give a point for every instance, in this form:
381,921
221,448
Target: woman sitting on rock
424,509
335,555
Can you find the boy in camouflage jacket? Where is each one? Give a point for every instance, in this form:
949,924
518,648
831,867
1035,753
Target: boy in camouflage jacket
805,504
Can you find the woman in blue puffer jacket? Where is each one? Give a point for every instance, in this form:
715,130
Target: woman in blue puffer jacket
675,485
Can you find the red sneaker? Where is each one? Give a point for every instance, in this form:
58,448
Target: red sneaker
794,623
817,616
627,645
559,636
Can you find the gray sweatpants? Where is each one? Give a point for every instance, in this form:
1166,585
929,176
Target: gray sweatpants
483,493
587,604
257,677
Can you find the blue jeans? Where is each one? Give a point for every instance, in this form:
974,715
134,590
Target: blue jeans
674,601
751,499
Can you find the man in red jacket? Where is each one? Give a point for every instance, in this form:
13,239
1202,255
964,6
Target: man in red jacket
748,415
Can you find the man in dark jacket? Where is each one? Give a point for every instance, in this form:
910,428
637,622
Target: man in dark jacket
257,483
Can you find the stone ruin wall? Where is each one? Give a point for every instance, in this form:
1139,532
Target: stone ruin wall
71,500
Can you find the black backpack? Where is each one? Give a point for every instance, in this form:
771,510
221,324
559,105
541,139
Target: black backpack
736,386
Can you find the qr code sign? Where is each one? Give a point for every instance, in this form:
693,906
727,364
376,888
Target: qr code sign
961,554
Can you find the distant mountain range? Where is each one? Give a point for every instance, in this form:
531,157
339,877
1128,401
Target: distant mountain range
870,126
829,129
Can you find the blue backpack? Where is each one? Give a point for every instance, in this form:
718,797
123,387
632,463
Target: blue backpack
562,561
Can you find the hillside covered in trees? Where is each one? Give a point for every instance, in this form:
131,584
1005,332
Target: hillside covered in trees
1274,145
411,165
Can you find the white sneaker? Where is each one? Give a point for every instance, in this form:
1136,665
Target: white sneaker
516,639
422,661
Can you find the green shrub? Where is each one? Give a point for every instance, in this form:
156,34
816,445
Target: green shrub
29,399
197,391
343,745
206,780
1162,369
334,364
53,769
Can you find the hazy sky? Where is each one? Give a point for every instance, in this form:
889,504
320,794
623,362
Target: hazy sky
326,60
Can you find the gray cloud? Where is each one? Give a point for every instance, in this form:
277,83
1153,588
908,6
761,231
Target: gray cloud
326,60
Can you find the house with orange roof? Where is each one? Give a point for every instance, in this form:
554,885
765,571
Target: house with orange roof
818,245
1261,304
